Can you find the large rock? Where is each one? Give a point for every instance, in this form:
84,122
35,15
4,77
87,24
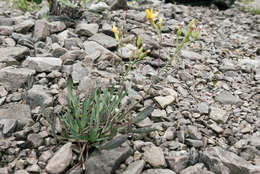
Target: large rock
221,161
41,30
20,112
178,160
39,95
61,159
226,97
104,40
107,161
98,52
135,167
17,53
158,171
13,78
85,29
154,156
43,64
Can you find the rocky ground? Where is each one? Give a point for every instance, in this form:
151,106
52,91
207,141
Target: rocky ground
207,114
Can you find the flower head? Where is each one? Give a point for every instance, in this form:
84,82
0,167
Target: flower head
114,29
150,15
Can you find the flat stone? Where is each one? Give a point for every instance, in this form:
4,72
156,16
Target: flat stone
214,126
24,26
158,114
35,140
41,30
17,53
92,48
203,108
46,155
158,171
178,160
6,30
154,156
33,168
43,64
4,170
226,97
107,161
61,159
56,26
191,55
78,72
16,111
21,172
165,101
39,95
195,170
104,40
9,125
85,29
218,115
221,161
135,167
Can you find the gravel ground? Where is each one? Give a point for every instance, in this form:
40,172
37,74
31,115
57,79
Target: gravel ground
207,103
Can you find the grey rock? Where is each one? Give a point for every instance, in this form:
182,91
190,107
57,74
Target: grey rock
78,72
158,171
92,48
203,108
4,21
165,100
3,92
98,7
104,40
194,143
24,26
221,161
135,167
61,159
226,97
191,55
178,160
195,170
214,126
46,155
20,112
43,64
6,31
118,4
87,85
4,170
218,115
254,140
17,53
9,125
148,71
107,161
33,168
41,30
35,140
144,123
71,56
154,156
56,26
85,29
194,133
158,114
21,172
38,95
127,51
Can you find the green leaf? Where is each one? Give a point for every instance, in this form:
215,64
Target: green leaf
143,130
141,116
115,142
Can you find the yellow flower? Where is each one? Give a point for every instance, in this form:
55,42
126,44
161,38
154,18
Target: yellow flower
114,29
150,15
